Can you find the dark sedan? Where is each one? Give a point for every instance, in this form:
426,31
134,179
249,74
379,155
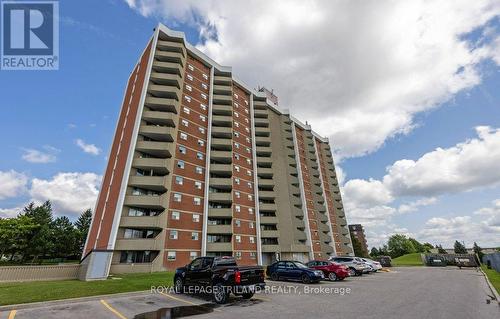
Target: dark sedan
293,270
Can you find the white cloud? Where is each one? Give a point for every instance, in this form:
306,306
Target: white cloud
414,206
88,148
362,69
12,184
40,157
10,212
70,193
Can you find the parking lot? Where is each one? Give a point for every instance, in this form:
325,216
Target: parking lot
411,292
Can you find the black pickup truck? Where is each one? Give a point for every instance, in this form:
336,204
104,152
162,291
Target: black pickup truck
218,276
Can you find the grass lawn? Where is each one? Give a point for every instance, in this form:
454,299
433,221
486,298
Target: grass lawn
408,260
15,293
493,276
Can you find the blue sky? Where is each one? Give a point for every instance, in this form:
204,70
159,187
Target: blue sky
100,42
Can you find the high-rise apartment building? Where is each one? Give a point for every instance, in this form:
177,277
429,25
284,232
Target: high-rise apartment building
358,232
201,164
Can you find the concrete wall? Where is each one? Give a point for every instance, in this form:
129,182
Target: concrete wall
38,273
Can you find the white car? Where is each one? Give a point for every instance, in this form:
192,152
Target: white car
375,265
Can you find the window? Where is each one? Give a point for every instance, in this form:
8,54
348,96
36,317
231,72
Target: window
248,150
237,222
249,173
173,234
204,96
185,123
180,164
236,105
248,140
237,180
179,180
237,254
203,106
236,144
246,102
187,98
183,136
237,208
252,240
235,95
246,110
236,124
201,142
189,88
237,156
190,77
193,255
237,238
190,67
253,255
236,114
250,197
196,218
171,255
236,168
246,120
204,86
247,129
205,76
250,210
236,134
199,155
194,236
249,185
250,225
249,161
182,149
201,129
203,118
197,201
197,185
176,215
237,194
177,197
199,170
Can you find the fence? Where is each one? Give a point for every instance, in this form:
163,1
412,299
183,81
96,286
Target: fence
37,273
492,260
466,260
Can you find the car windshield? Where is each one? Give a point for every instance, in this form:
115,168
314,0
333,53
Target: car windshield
300,265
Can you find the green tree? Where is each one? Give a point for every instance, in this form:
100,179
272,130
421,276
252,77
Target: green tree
441,250
39,240
82,225
399,245
374,252
427,247
459,248
478,251
384,250
14,233
419,248
64,238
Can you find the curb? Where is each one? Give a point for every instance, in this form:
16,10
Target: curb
69,300
490,285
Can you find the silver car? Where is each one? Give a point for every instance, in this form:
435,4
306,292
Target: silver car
355,267
372,263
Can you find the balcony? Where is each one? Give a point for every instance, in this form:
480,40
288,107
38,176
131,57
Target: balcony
268,220
264,160
265,182
168,56
163,91
219,109
262,131
324,227
159,165
172,47
297,212
220,212
264,150
222,120
264,207
157,149
263,140
260,104
299,235
160,118
158,133
166,79
222,99
259,122
146,201
218,131
270,248
142,221
221,182
298,223
220,197
267,194
221,156
216,247
138,244
156,183
269,234
168,67
220,229
222,144
161,104
327,249
265,172
261,113
221,169
223,79
222,89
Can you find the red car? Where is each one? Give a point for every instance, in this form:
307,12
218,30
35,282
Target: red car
332,271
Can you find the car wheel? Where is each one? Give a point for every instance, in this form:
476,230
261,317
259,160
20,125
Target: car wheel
352,272
220,294
306,279
178,285
332,276
247,295
274,276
